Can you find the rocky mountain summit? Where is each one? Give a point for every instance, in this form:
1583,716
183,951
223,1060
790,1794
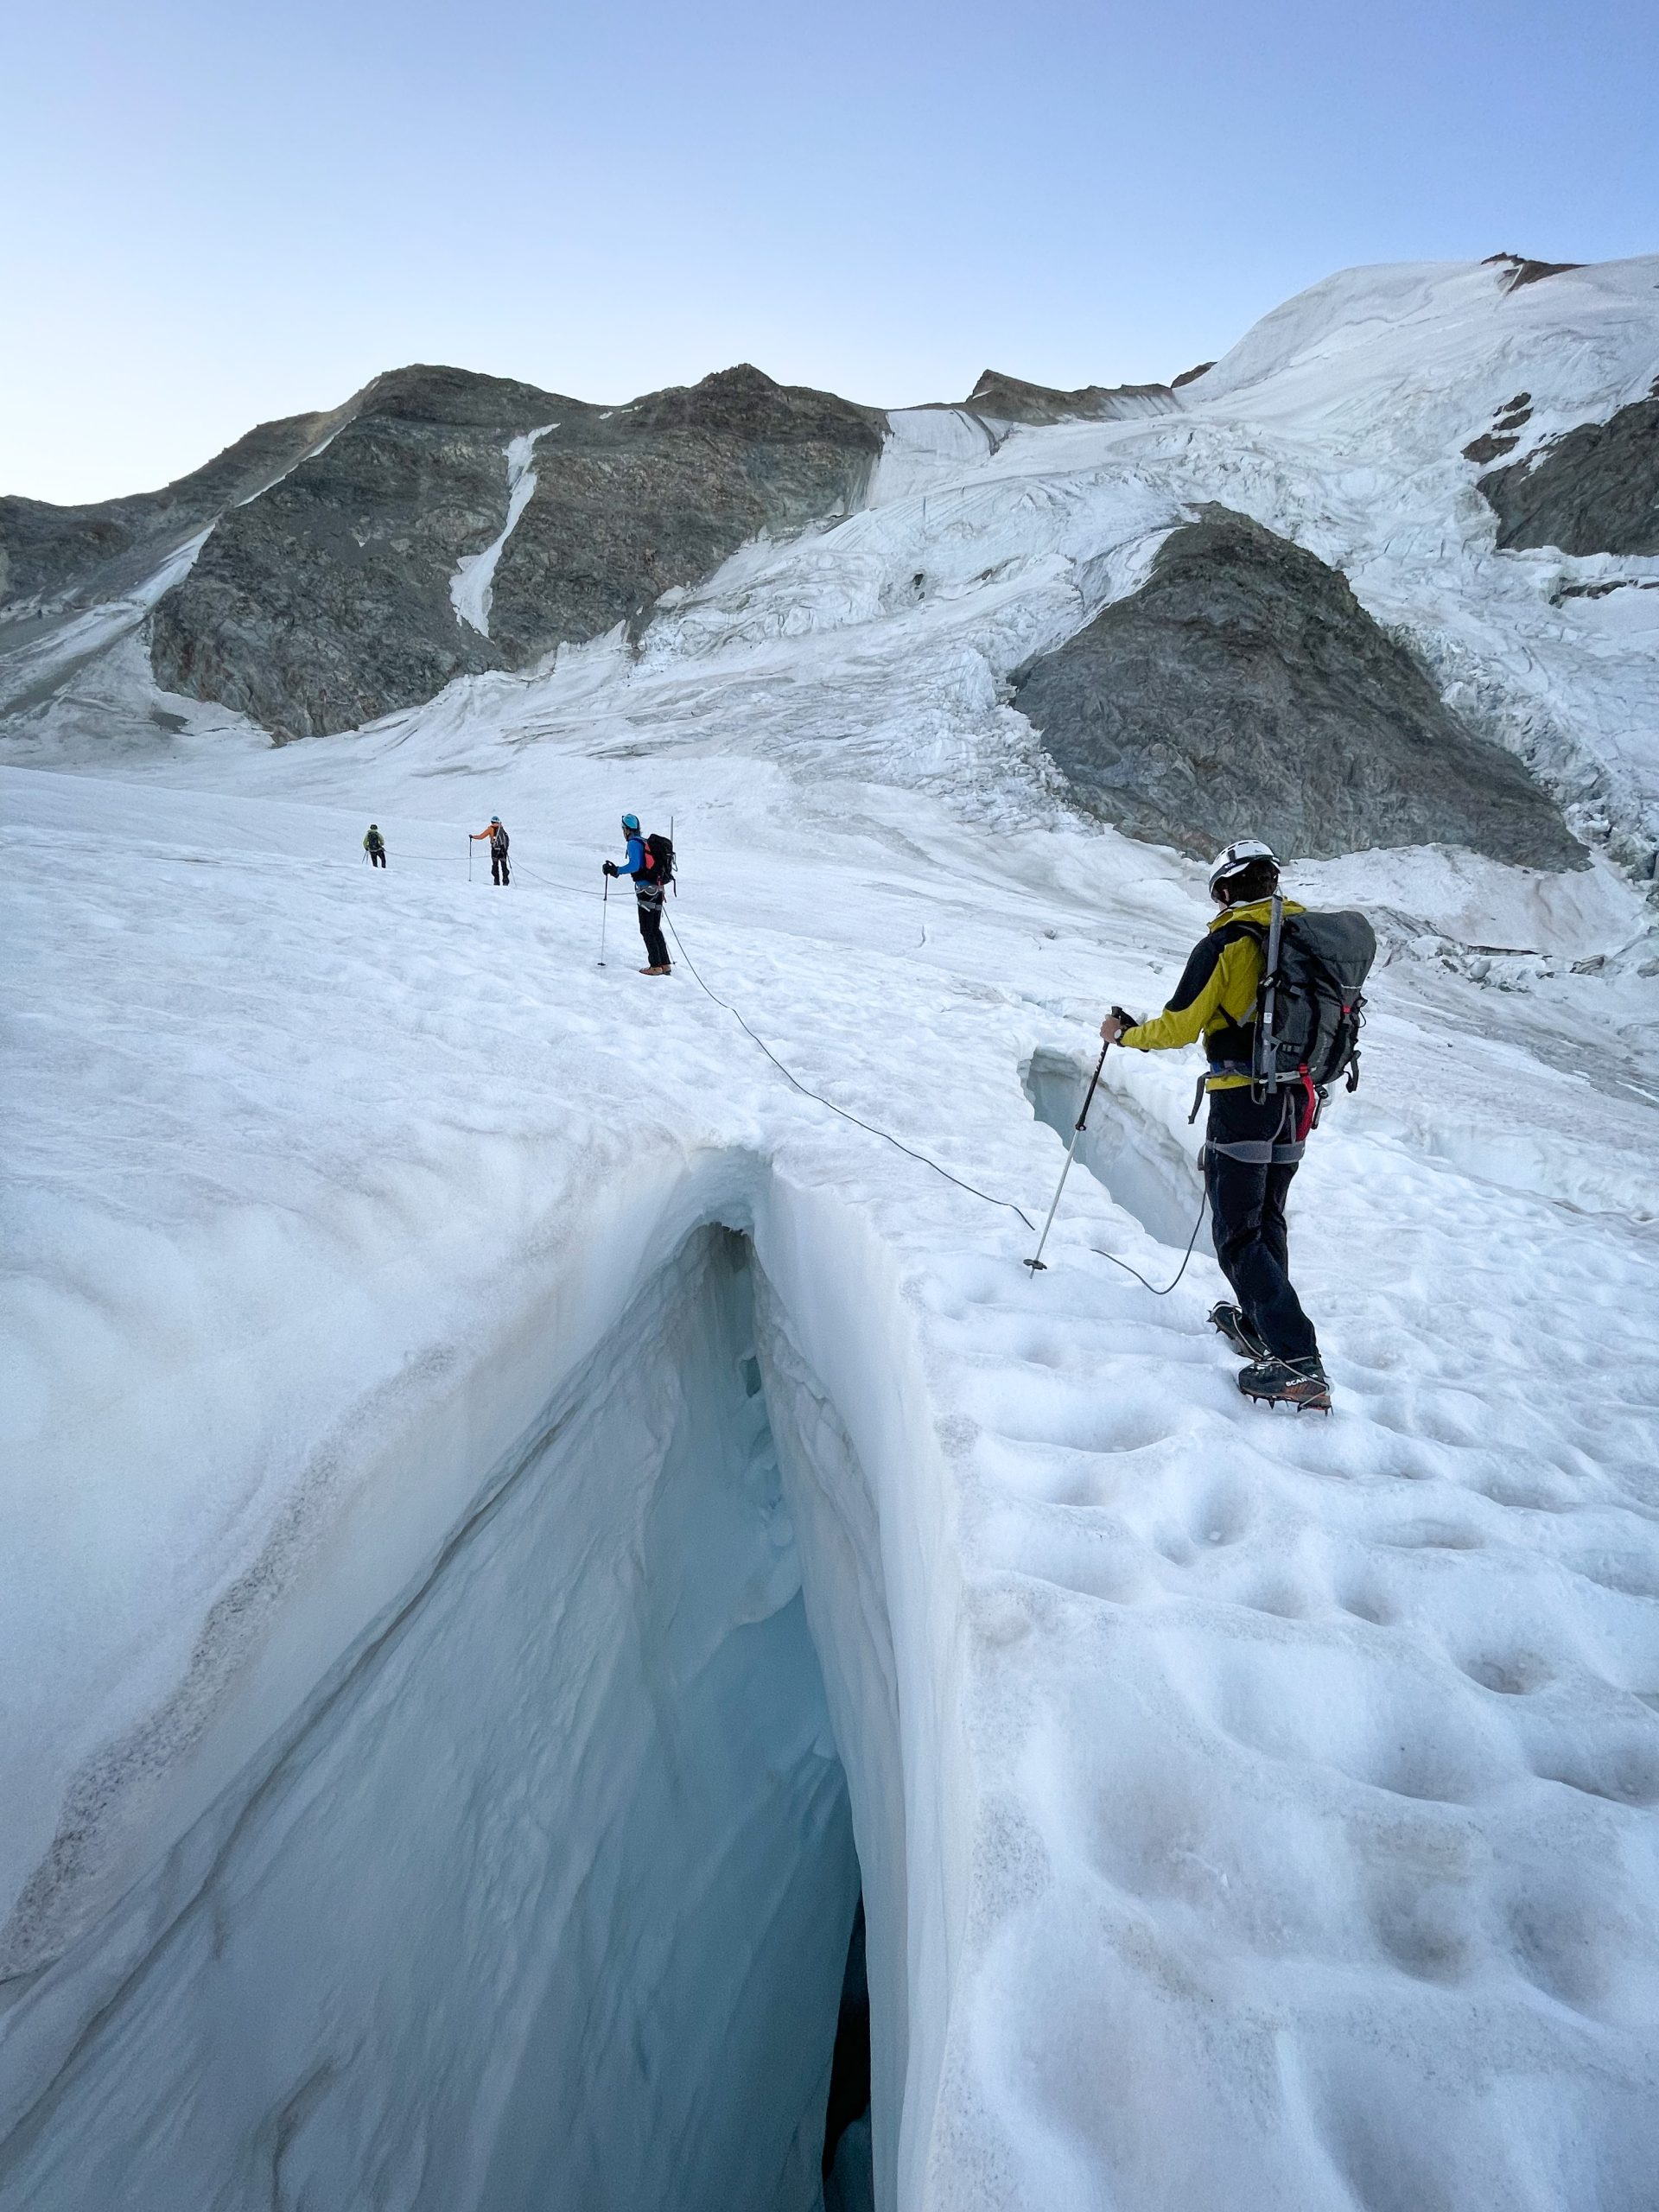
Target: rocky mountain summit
326,601
329,601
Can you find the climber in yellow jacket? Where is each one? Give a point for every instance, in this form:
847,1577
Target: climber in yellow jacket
1252,1145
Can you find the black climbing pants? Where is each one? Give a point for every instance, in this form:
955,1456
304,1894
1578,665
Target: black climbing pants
650,903
1247,1212
377,856
499,869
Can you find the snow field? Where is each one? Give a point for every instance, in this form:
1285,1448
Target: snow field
1357,1620
1194,1758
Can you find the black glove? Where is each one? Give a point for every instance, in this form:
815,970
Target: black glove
610,867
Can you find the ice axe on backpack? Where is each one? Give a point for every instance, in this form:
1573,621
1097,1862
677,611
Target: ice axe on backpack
1036,1262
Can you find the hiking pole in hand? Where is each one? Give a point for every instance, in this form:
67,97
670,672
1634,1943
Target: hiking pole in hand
469,859
605,908
1035,1263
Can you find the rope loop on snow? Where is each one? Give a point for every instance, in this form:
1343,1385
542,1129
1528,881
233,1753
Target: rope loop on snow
1191,1246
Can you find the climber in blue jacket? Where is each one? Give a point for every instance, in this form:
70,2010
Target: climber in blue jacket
649,884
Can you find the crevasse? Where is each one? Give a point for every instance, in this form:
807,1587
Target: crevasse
543,1894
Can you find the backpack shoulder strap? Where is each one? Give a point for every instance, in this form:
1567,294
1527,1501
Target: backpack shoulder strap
1230,932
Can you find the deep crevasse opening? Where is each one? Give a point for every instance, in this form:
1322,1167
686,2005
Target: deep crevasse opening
545,1900
1130,1152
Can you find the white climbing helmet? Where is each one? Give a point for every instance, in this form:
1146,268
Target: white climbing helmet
1239,856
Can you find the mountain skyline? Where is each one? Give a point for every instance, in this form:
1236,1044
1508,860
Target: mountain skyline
220,226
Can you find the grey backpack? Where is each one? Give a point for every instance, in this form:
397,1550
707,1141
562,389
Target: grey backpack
1311,1000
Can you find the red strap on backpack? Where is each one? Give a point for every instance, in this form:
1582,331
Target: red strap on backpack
1312,1107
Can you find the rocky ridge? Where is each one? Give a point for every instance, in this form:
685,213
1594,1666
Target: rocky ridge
53,558
326,603
1009,399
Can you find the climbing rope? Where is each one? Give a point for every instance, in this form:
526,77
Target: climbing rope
1192,1245
807,1091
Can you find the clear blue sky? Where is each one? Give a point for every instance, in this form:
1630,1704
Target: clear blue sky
216,214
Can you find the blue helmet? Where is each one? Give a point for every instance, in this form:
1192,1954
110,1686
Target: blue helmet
631,824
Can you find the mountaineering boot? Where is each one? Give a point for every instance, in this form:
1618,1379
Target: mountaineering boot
656,972
1298,1382
1231,1320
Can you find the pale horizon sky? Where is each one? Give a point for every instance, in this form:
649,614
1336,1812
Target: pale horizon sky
216,216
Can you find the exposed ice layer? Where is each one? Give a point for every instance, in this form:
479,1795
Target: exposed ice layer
543,1896
924,445
473,582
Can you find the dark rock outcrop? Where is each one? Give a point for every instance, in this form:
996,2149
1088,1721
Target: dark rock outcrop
1244,690
1191,376
1489,445
1505,433
1594,490
632,501
1008,399
1525,271
52,556
326,603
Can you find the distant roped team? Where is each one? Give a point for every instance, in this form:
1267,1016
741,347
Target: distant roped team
649,861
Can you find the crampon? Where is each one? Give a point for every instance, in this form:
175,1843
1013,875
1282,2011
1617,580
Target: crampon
1298,1382
1231,1321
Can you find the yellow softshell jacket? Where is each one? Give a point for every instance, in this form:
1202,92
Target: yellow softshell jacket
1216,996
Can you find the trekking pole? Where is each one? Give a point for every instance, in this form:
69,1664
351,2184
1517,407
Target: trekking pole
605,908
1035,1263
469,859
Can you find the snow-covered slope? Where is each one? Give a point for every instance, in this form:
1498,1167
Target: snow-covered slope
511,1495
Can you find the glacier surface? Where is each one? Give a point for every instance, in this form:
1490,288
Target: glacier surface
520,1515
